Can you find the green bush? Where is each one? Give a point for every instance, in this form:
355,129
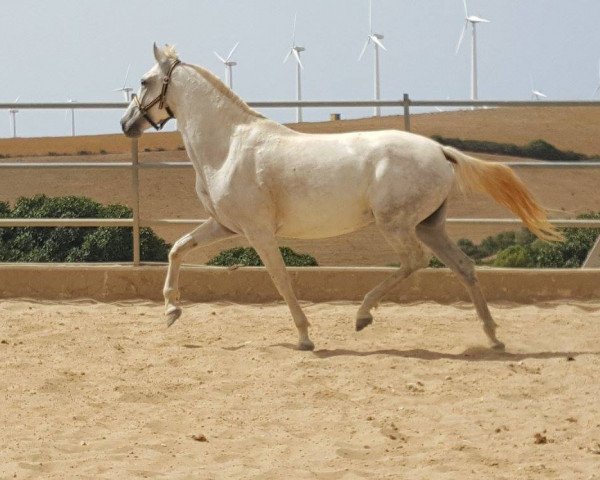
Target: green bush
522,249
248,257
515,256
568,254
73,244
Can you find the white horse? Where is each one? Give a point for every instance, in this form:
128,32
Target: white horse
260,179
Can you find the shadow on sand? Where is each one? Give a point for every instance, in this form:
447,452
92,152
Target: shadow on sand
469,355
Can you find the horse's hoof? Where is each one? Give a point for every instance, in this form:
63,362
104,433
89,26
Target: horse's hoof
306,345
498,345
363,322
172,315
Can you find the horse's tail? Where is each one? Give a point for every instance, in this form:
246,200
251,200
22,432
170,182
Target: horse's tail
501,183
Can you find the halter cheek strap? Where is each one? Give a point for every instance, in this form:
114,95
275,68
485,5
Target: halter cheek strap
160,99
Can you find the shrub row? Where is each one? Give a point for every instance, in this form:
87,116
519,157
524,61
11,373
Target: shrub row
247,257
73,244
114,244
538,149
523,250
100,244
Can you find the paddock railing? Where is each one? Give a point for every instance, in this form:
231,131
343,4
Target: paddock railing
134,166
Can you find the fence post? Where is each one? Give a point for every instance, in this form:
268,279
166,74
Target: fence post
135,201
406,112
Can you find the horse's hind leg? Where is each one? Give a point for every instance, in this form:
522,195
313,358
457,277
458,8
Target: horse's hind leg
266,246
432,232
207,233
412,258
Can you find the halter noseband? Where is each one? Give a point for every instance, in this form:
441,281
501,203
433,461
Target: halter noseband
160,99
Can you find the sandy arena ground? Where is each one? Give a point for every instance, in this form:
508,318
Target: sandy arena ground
100,391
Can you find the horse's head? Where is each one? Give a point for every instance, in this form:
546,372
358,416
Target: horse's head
149,108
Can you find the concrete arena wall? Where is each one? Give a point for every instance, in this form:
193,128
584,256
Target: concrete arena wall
253,285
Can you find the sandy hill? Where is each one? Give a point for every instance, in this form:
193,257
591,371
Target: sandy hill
568,191
576,129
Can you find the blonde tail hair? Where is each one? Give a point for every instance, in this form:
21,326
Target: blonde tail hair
501,183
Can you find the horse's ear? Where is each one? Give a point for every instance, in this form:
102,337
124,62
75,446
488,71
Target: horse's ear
161,59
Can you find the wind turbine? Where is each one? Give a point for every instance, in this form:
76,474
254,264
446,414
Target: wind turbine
536,94
12,114
70,100
228,66
374,38
598,87
473,20
295,51
125,89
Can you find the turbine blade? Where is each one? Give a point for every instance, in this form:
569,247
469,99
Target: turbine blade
17,99
288,55
378,42
596,91
294,30
297,56
370,16
462,34
126,75
231,52
364,49
220,57
466,9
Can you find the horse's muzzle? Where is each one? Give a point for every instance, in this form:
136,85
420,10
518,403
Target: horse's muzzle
129,127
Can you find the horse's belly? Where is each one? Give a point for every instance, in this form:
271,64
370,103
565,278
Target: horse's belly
322,221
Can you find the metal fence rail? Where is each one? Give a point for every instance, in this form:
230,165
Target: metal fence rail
134,166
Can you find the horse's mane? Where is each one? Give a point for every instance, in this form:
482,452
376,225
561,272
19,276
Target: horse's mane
215,81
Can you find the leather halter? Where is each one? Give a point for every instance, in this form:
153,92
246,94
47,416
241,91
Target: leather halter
160,99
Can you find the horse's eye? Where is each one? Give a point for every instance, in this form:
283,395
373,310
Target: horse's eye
144,83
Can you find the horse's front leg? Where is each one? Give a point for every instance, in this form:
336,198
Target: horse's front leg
209,232
266,246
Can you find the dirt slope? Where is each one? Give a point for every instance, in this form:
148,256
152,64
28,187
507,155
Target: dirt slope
170,193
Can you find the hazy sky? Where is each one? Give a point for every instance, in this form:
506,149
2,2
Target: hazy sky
80,49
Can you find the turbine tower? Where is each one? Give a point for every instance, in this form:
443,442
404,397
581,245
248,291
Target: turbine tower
125,89
70,100
374,38
536,94
295,51
473,20
12,115
228,66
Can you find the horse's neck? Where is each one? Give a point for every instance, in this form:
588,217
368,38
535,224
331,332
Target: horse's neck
206,118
